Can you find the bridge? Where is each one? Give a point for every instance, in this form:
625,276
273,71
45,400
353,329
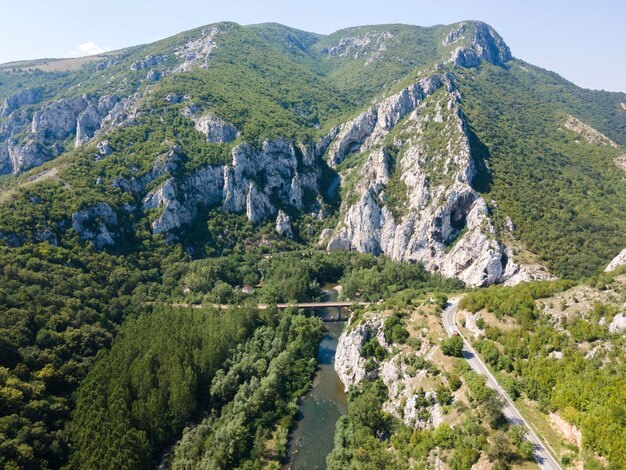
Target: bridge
306,305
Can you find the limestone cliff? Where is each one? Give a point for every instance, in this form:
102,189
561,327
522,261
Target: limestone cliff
402,375
412,197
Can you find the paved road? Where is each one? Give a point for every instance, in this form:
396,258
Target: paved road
543,457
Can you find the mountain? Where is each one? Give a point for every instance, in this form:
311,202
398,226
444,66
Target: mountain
423,144
178,170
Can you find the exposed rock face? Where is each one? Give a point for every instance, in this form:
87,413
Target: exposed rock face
415,407
22,156
619,260
283,225
368,45
470,324
153,76
215,129
484,44
257,183
446,224
489,44
454,36
510,226
569,431
198,51
104,148
516,274
22,97
147,62
368,129
50,125
465,57
93,224
58,120
588,133
90,120
180,201
349,363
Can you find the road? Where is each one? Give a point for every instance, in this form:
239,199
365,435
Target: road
543,457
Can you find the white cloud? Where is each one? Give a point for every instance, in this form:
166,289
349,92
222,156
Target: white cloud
90,48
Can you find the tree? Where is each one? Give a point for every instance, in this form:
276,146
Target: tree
452,346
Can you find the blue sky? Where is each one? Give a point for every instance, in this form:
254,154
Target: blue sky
585,41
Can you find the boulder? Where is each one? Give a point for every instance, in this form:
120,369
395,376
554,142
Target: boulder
104,149
153,76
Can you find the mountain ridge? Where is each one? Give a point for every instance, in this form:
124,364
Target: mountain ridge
281,88
231,156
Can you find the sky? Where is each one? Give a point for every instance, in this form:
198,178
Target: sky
584,41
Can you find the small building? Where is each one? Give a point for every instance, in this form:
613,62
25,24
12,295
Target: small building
247,289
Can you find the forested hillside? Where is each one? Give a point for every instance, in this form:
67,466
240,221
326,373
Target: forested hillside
564,352
400,161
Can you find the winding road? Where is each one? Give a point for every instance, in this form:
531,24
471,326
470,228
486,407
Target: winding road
543,457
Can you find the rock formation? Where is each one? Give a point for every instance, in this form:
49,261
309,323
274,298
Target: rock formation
21,98
443,222
479,42
258,183
406,401
54,122
93,224
283,225
619,260
216,130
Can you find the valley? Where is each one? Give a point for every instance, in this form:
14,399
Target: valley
173,214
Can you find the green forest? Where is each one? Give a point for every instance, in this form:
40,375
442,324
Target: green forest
586,390
170,347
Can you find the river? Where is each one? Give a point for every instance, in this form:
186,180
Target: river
313,437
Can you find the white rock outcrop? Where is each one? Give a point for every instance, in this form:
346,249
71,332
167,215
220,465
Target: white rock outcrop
444,224
618,324
619,260
93,224
483,44
588,133
407,400
258,183
283,225
349,363
49,127
215,129
21,98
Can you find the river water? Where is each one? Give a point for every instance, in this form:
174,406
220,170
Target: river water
313,437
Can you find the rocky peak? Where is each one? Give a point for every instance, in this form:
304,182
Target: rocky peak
476,41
